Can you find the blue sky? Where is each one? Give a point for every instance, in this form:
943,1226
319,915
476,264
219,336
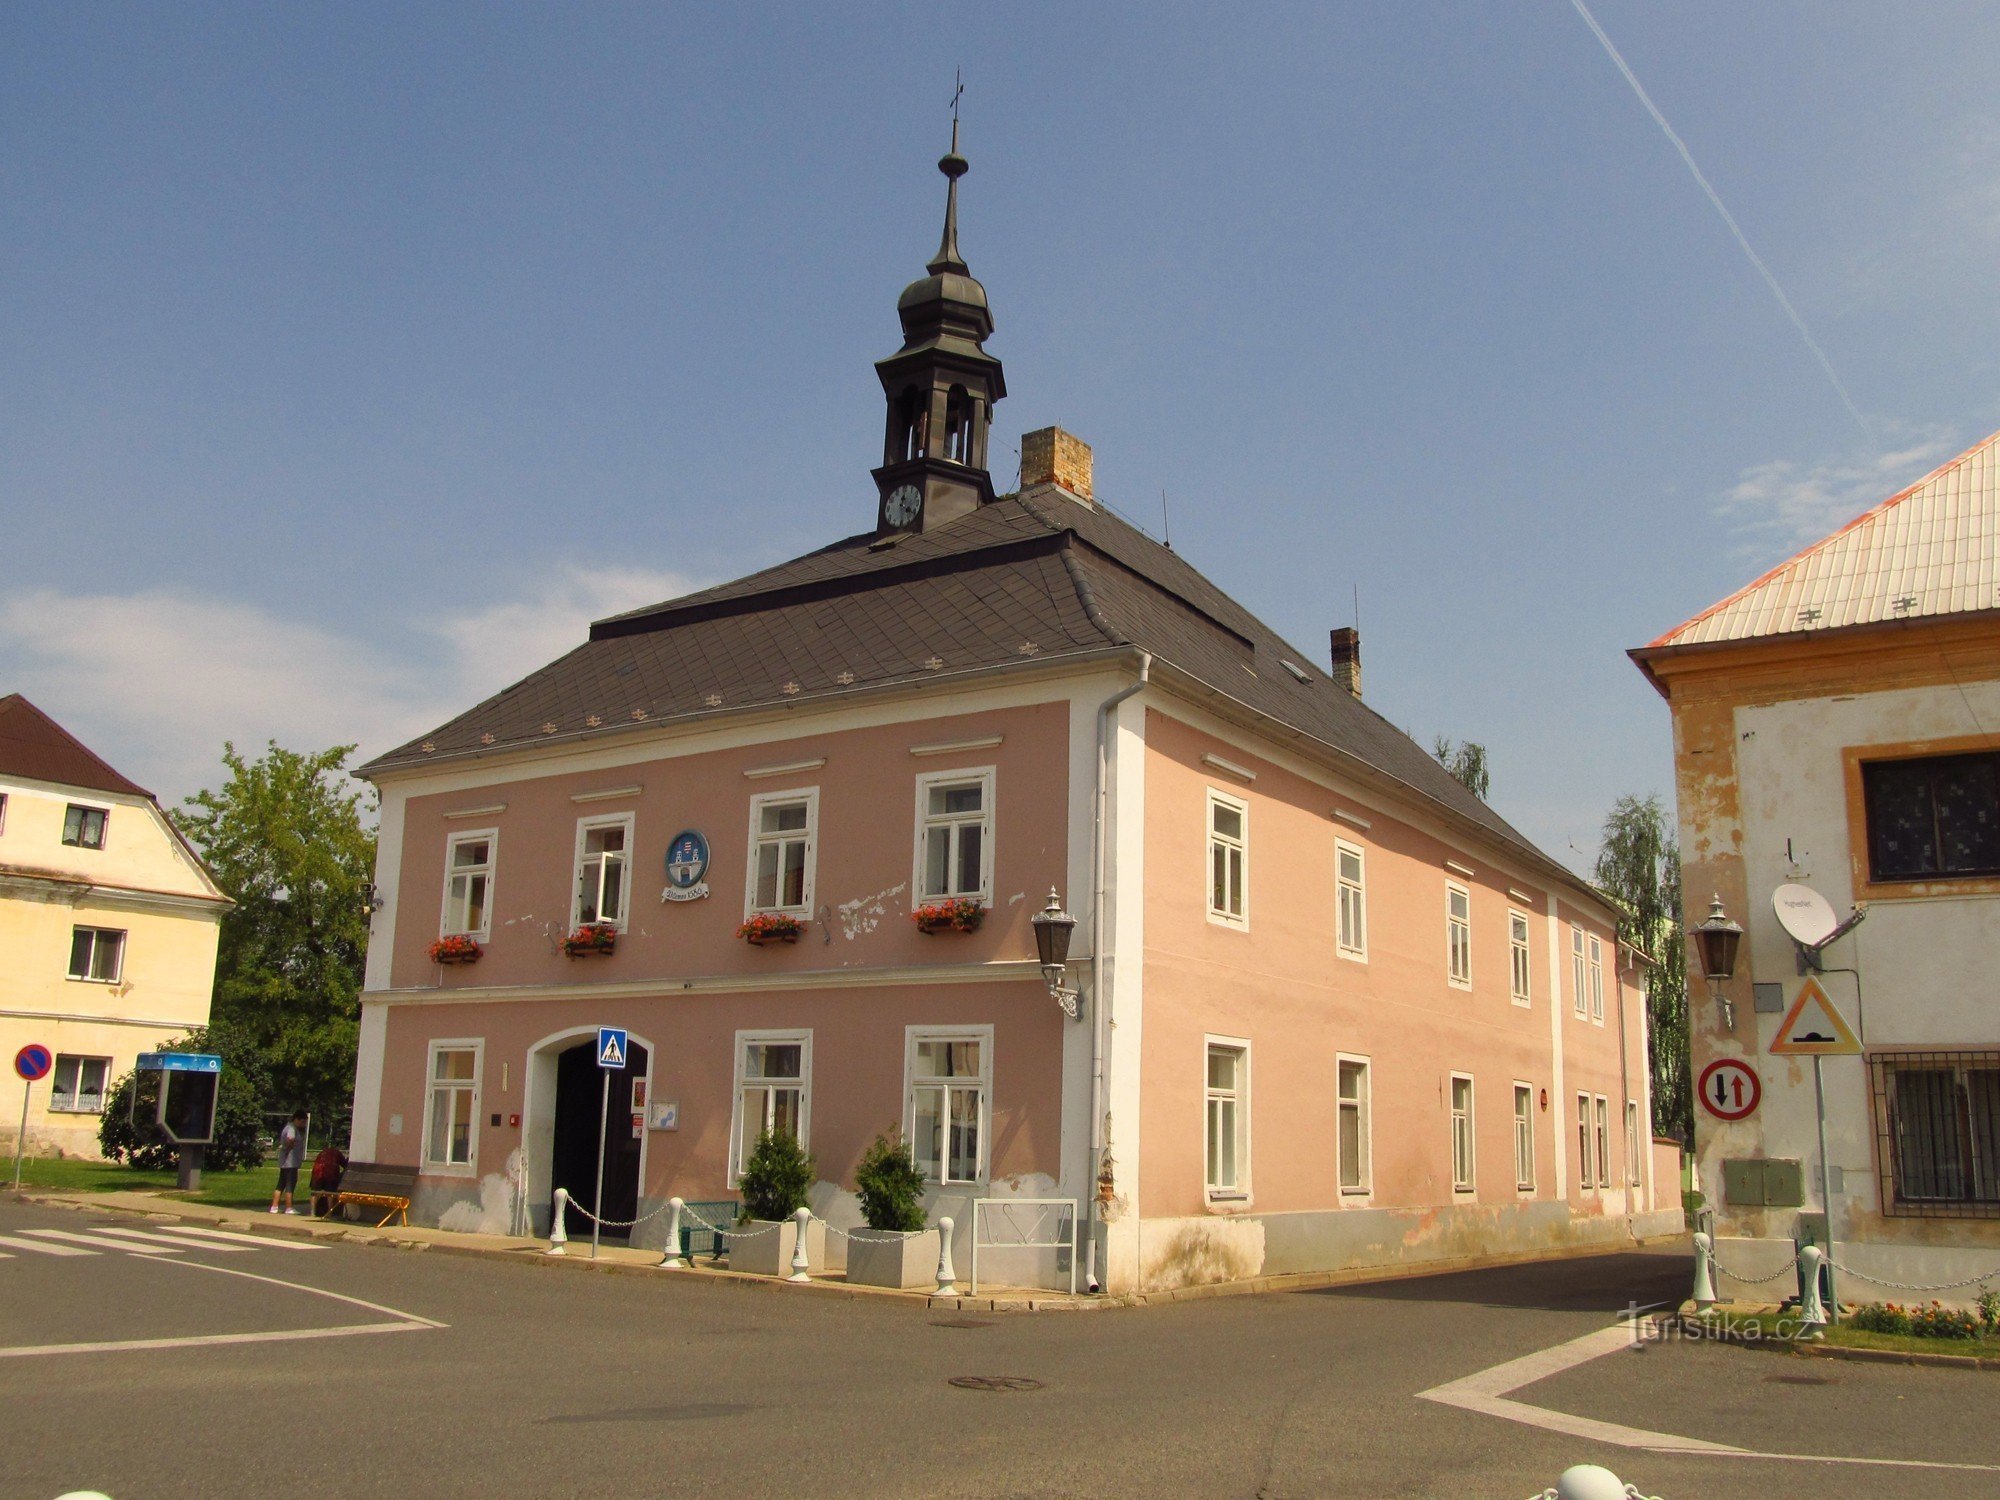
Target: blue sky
354,356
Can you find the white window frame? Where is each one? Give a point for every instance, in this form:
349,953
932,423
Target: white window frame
1350,944
739,1139
1521,961
583,830
1468,1184
3,812
1603,1142
484,931
1239,1194
912,1035
103,827
77,1060
1222,918
1584,1179
1578,980
1453,977
1596,980
1524,1137
97,935
1633,1170
810,796
986,777
432,1166
1364,1125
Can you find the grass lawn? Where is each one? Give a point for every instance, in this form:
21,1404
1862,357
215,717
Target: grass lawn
250,1188
1778,1328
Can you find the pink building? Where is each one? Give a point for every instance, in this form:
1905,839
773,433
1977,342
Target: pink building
1334,1011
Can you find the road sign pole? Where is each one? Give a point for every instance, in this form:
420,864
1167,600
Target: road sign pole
21,1136
597,1203
1825,1190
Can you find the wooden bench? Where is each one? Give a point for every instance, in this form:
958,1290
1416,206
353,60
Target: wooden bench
373,1184
723,1212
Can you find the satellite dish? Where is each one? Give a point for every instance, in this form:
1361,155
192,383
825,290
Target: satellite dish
1805,914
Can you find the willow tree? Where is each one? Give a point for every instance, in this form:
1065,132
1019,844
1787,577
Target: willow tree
1639,863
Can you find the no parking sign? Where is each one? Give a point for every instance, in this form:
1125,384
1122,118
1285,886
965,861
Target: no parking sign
33,1061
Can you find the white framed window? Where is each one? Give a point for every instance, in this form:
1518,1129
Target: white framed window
1228,860
955,835
1578,976
1351,913
1603,1141
77,1085
603,866
1355,1153
1461,1134
96,954
1583,1157
773,1091
1633,1160
1226,1084
784,839
1458,934
468,884
1596,979
1523,966
948,1100
1524,1137
451,1118
83,827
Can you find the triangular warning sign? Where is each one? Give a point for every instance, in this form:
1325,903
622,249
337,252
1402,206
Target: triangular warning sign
1813,1028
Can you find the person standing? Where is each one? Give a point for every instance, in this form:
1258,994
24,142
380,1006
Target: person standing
291,1155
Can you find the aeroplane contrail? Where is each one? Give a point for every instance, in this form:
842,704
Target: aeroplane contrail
1727,218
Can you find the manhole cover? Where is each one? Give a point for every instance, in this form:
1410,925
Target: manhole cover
961,1323
995,1383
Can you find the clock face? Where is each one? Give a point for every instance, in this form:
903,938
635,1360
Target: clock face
902,505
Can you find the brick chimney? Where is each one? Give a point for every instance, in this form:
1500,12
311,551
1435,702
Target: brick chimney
1347,658
1054,457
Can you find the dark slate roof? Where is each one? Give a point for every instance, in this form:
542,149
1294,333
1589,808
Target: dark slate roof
1028,578
35,747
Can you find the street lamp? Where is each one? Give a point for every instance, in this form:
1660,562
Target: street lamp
1053,928
1717,940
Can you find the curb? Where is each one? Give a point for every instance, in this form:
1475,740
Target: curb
1804,1349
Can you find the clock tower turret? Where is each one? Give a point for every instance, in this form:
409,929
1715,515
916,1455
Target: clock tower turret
940,387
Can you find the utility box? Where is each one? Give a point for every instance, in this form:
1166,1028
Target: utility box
1754,1182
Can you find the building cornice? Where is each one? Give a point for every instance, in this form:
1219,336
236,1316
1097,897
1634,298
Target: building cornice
1002,971
56,886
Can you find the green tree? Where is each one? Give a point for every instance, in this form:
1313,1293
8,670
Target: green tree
1466,761
239,1118
1639,863
287,836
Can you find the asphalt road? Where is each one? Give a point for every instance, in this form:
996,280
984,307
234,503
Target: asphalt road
546,1381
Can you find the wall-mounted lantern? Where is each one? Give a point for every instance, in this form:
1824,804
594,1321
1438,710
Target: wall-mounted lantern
1053,928
1716,941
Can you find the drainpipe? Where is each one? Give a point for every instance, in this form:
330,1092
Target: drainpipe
1625,1095
1101,860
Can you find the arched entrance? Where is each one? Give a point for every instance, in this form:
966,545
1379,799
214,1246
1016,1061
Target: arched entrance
564,1106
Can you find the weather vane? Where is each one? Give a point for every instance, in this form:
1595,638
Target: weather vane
958,90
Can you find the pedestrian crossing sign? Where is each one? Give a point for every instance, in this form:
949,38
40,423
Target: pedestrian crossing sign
1813,1028
611,1047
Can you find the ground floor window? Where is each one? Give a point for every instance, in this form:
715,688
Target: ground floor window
77,1084
1937,1122
951,1079
1583,1177
1633,1165
1603,1141
1353,1125
1461,1133
1228,1119
773,1074
454,1104
1524,1137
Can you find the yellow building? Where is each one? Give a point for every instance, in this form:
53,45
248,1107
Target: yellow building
108,927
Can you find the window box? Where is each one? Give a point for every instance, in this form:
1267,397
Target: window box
591,937
770,927
456,949
962,915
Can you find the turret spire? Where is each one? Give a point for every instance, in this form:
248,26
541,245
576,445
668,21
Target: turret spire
954,167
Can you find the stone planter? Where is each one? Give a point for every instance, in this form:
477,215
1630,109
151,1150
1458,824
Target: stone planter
897,1260
770,1253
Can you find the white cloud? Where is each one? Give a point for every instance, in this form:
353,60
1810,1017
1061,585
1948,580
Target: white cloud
1795,504
155,681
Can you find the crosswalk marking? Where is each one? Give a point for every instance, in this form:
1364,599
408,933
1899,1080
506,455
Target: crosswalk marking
262,1241
104,1242
41,1247
149,1237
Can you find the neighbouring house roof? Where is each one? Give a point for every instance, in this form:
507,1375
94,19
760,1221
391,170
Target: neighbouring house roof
1928,551
1028,579
36,748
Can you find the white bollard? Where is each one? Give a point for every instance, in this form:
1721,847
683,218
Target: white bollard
800,1261
671,1260
947,1278
558,1230
1812,1312
1704,1280
1589,1482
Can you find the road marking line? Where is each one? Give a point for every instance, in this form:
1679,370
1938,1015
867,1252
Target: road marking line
263,1241
149,1237
197,1340
41,1247
299,1286
1486,1391
104,1242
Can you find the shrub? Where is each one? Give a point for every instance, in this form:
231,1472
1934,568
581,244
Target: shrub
1989,1310
775,1182
239,1119
1879,1317
1940,1322
890,1186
